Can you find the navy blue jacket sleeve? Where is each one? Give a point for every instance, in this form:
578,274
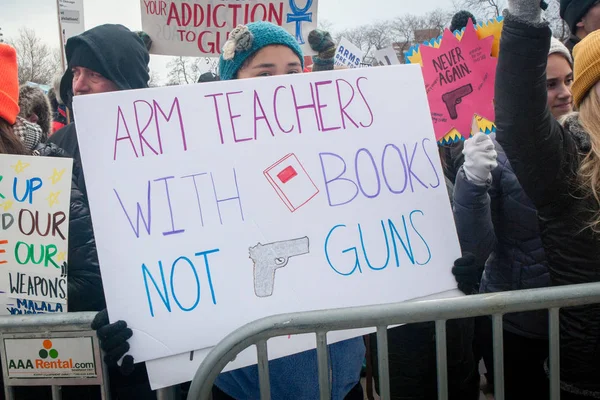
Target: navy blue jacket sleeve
473,217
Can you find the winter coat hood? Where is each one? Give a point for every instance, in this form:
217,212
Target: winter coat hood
120,52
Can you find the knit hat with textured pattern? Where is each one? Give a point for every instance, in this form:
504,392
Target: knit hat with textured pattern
586,70
246,40
556,47
9,84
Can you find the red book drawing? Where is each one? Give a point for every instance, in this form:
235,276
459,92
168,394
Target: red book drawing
291,182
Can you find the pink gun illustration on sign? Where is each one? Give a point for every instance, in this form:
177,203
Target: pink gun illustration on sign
271,256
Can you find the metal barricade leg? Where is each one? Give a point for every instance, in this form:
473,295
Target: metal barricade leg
384,366
169,393
56,392
498,356
263,370
554,360
323,361
105,387
9,392
441,352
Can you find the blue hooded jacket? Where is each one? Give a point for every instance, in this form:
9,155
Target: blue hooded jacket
499,224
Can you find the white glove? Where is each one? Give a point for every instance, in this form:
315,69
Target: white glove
527,10
480,158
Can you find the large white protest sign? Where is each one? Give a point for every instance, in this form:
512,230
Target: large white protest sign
35,194
215,205
200,27
348,55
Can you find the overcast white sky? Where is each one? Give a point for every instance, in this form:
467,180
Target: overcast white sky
40,15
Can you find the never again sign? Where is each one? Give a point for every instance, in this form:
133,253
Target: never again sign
215,205
35,194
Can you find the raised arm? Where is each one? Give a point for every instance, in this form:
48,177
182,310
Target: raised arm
535,143
472,204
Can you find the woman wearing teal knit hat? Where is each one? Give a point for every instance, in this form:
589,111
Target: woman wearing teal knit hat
260,49
263,49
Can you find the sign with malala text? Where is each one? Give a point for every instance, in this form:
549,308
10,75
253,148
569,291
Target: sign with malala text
35,195
198,28
216,205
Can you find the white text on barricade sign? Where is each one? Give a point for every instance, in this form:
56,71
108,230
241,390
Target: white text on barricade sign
35,195
215,205
201,27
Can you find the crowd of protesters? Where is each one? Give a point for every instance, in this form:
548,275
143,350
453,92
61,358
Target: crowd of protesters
526,203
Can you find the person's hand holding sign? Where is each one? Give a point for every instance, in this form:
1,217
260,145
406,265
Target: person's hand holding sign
480,157
113,341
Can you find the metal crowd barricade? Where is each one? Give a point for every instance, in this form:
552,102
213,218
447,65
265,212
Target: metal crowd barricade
60,326
382,316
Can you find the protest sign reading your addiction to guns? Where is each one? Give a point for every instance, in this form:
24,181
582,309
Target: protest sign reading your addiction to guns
35,194
216,205
201,27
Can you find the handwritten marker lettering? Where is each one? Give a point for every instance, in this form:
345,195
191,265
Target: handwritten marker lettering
405,242
343,178
296,109
156,284
3,251
153,121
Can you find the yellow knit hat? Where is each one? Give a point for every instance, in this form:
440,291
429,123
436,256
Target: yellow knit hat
587,66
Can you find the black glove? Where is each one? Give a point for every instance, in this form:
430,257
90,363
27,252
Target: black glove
467,274
113,340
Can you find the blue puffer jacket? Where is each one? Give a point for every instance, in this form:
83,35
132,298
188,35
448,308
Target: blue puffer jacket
499,224
296,377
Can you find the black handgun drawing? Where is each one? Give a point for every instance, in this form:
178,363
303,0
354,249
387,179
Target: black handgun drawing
454,98
271,256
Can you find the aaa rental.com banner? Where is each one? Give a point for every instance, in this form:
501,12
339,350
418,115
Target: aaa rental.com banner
200,27
217,205
68,357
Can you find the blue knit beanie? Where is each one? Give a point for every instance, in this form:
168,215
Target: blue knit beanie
245,40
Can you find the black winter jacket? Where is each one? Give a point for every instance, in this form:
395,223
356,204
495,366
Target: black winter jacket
546,157
85,291
66,139
499,224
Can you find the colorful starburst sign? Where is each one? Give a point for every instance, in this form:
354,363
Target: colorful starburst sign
459,77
